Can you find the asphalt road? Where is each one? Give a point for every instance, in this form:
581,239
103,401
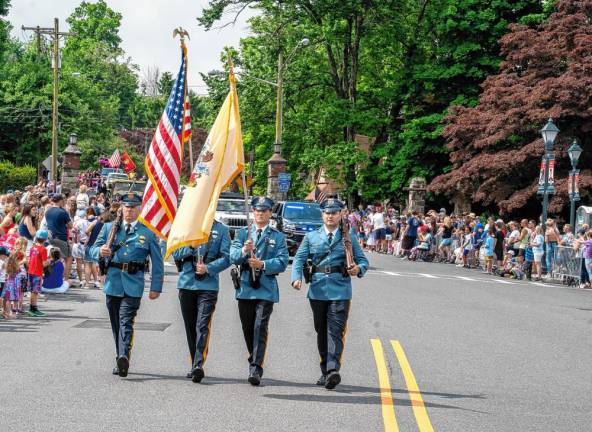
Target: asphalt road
429,347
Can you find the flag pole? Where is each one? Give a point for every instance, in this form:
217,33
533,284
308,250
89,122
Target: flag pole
182,33
243,177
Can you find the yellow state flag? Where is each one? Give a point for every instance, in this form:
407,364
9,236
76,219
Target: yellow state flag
221,159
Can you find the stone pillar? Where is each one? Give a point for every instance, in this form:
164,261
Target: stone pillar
417,193
275,165
71,167
462,204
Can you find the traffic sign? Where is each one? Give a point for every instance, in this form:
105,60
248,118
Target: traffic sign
284,180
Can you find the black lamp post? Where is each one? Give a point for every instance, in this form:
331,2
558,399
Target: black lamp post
546,183
574,153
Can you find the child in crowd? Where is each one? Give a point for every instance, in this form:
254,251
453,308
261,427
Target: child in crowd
528,261
3,258
489,245
511,267
20,250
37,260
368,234
54,282
467,246
12,287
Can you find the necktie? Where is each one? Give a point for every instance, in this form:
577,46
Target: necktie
128,228
330,235
259,231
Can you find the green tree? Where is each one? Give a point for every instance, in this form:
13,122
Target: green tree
4,26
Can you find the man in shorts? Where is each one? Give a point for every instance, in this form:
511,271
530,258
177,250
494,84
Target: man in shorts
58,224
379,230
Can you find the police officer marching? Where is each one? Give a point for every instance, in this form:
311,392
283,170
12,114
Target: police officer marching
198,291
124,253
262,254
323,254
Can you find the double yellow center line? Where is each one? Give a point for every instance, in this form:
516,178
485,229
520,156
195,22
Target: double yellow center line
386,394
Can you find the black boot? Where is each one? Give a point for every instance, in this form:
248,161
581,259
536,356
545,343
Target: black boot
333,379
123,366
254,378
197,374
322,380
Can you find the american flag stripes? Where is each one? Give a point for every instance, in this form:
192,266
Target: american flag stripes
115,159
319,194
163,161
187,122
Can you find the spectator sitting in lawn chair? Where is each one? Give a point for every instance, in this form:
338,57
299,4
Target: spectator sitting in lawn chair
422,250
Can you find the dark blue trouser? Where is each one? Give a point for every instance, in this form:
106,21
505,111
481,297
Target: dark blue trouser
254,316
197,308
122,313
330,322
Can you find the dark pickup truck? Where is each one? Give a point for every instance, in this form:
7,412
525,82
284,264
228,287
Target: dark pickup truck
295,219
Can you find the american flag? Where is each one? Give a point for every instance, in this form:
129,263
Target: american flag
115,159
163,161
320,195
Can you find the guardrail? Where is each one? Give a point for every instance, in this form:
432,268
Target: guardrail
567,266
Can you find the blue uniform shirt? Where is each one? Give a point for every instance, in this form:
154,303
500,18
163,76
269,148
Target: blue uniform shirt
216,256
135,246
334,286
272,250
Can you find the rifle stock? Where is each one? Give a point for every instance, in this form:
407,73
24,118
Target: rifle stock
347,244
104,261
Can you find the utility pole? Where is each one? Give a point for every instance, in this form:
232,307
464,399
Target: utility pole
55,34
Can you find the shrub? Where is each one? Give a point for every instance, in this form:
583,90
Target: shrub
16,177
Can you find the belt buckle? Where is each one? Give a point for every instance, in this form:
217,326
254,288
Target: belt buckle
124,267
327,270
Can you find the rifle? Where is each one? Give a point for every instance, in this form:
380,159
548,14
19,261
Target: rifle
254,274
104,261
200,260
347,244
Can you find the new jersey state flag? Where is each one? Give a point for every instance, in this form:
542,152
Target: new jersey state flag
128,163
221,159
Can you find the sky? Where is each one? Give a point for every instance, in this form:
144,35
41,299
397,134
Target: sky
146,31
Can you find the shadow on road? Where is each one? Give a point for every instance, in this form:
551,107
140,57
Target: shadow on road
337,396
347,394
30,325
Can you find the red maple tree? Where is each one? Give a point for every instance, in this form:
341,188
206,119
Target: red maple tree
496,146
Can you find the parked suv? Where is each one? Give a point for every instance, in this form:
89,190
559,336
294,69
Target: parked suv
231,211
295,219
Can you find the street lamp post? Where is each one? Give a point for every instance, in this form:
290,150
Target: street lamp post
279,111
547,183
276,165
574,153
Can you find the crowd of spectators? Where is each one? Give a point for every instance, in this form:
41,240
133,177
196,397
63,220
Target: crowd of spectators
516,249
45,236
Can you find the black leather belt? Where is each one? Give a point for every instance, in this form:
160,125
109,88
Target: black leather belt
329,270
129,267
192,259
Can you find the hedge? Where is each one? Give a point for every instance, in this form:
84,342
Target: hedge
16,177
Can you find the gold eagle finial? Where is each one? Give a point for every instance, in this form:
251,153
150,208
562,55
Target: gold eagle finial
181,32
